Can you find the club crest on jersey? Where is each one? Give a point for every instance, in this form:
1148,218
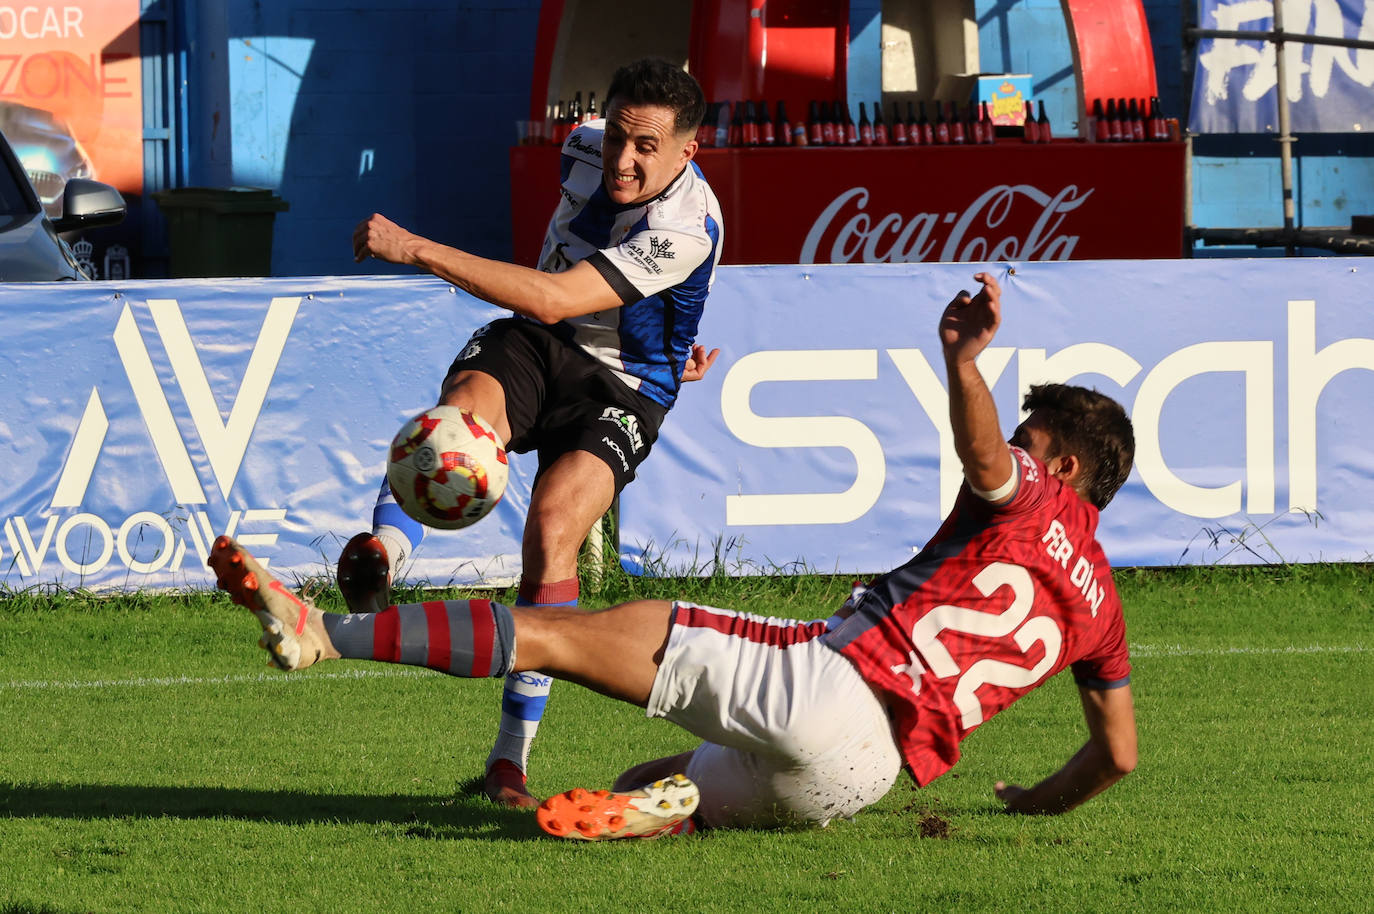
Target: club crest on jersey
661,250
629,425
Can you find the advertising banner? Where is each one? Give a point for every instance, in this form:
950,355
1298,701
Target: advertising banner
1330,89
142,420
1009,201
820,440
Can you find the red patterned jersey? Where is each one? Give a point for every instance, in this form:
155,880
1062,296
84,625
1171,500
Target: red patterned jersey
1002,598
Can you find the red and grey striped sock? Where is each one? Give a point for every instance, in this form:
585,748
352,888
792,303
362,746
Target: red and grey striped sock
469,638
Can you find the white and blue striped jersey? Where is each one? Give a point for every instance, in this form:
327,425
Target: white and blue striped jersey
659,257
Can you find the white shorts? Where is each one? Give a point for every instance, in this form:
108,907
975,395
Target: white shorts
794,734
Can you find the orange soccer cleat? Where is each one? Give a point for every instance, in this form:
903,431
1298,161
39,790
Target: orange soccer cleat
662,808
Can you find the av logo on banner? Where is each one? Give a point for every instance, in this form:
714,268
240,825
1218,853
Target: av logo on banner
224,444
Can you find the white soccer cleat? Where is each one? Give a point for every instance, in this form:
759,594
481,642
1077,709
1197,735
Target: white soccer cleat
292,633
662,808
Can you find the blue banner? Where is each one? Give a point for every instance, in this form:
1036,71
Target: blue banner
1330,89
820,439
144,419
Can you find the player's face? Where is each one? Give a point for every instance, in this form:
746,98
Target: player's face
641,152
1032,437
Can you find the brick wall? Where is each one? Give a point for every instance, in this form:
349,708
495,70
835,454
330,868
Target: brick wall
402,107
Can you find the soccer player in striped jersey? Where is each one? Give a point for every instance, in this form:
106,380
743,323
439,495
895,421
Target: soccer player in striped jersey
584,374
806,721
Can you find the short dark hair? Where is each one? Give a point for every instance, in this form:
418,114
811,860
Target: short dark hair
655,81
1092,427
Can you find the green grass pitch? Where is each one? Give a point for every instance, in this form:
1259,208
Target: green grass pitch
150,762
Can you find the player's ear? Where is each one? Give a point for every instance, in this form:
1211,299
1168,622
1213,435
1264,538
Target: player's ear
1068,469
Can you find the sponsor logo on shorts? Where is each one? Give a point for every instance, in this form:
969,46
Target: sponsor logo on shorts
627,424
473,347
624,464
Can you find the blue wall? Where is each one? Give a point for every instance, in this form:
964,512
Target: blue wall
1030,36
408,108
395,106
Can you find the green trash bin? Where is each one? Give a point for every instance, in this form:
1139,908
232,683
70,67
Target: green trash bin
220,231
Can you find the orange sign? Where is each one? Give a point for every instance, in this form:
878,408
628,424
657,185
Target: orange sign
71,91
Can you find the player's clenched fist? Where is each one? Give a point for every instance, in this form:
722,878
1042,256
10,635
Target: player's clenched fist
970,322
377,236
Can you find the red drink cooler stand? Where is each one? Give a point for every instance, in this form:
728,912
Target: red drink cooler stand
1066,199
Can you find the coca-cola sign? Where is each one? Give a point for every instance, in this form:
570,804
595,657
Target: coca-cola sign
1010,201
987,229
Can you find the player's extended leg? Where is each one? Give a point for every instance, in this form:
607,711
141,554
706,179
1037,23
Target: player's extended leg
571,495
614,651
371,560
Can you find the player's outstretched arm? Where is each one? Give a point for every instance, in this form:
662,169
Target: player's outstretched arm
546,297
967,325
1107,757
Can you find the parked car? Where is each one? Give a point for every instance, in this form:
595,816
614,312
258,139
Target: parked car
45,146
31,248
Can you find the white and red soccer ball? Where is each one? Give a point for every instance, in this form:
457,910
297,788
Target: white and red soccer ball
446,468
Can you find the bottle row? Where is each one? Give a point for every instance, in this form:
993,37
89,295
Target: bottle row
1129,121
832,124
749,123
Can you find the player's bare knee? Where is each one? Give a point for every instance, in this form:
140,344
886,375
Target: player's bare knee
552,536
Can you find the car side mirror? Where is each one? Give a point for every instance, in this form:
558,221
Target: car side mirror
87,203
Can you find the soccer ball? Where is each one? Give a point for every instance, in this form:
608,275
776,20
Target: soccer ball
446,468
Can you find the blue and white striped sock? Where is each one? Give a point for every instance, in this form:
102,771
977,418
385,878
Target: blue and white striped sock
400,533
526,694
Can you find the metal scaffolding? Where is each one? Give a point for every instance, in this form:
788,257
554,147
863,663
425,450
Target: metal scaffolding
1358,239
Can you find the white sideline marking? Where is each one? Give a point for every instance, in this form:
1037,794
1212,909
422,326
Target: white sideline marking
1137,651
277,677
1179,650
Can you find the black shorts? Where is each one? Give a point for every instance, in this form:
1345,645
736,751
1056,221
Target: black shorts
559,399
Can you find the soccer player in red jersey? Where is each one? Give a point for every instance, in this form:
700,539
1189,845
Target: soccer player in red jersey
806,721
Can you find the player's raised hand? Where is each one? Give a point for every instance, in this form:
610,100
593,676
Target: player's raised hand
377,236
698,363
970,322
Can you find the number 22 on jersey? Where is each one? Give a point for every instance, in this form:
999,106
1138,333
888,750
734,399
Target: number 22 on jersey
1013,621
